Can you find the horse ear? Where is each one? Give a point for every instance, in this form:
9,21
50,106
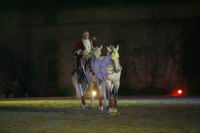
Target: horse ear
108,48
117,47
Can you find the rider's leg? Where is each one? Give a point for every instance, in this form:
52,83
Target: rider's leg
77,63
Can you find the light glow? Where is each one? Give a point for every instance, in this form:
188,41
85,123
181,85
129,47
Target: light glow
94,93
180,91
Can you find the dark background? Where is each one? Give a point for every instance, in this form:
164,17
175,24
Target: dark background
159,44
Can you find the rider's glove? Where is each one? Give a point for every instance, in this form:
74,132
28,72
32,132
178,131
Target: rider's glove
78,52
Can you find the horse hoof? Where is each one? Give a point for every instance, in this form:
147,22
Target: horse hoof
83,107
107,107
110,110
89,107
114,110
101,108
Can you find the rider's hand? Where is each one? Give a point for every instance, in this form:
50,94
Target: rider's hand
79,51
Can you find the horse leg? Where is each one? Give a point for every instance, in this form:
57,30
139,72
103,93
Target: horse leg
111,105
115,89
109,86
100,87
115,102
105,100
103,92
115,98
111,102
83,100
100,104
82,97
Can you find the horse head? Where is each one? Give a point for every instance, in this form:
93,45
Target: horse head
113,52
97,51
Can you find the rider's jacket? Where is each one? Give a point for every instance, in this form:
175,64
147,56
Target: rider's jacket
83,45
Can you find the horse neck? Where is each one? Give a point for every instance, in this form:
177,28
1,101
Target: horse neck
93,59
107,60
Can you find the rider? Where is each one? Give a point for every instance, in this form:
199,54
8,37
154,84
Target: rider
83,49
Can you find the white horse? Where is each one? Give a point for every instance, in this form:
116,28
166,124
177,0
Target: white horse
81,84
88,80
96,57
107,70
